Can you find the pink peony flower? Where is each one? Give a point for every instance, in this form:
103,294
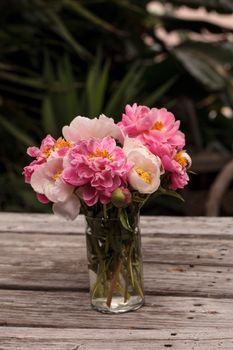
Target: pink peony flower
179,179
45,149
162,149
82,128
152,126
97,167
29,169
177,167
50,148
136,120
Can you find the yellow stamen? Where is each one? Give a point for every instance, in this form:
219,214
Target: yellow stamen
144,175
58,145
157,126
101,153
56,175
179,158
61,143
47,151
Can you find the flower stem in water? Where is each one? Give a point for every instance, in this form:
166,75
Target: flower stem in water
113,284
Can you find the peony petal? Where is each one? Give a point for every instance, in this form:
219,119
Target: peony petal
141,186
42,198
68,209
38,179
33,151
57,191
82,128
89,195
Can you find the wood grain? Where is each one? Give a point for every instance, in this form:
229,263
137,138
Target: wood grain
152,225
171,266
72,310
108,340
183,250
12,338
44,298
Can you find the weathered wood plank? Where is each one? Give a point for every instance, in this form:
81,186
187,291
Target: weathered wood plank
72,310
159,225
224,344
199,251
12,338
171,266
121,334
159,279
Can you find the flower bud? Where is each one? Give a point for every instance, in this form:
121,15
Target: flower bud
121,197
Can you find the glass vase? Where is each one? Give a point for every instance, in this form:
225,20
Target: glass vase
115,265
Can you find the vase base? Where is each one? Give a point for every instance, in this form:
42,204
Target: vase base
117,305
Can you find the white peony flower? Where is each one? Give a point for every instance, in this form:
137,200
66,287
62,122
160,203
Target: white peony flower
82,128
147,169
46,180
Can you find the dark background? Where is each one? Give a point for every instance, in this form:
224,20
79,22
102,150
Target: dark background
59,59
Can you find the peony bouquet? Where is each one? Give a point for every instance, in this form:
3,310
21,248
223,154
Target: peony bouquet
108,171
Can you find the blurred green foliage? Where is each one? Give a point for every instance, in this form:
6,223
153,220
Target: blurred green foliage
59,59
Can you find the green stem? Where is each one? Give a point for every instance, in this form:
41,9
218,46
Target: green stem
126,294
145,200
94,241
138,287
97,283
113,284
105,212
129,264
121,291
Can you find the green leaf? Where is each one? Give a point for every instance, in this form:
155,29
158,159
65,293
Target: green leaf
48,112
90,16
69,96
124,220
48,117
192,172
21,92
137,197
163,191
160,92
206,63
131,7
30,82
102,86
16,132
96,86
48,71
64,32
125,91
92,78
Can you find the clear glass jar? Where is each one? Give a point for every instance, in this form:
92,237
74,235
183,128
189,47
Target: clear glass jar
115,265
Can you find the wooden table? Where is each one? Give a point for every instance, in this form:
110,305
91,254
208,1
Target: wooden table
44,298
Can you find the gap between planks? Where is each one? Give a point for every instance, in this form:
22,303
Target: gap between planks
186,294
